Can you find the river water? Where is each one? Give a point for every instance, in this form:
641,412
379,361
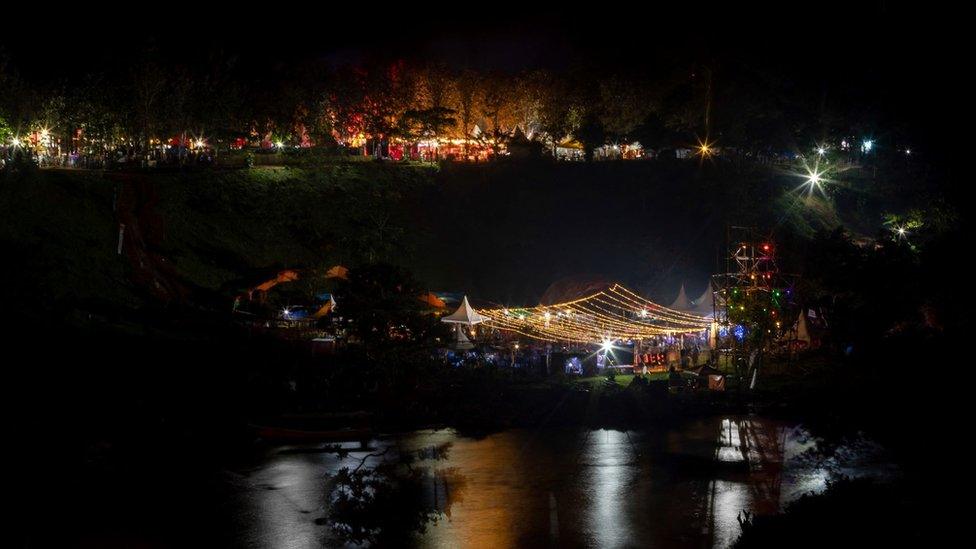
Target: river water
678,487
599,488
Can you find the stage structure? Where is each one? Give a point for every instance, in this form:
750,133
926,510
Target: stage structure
753,302
611,315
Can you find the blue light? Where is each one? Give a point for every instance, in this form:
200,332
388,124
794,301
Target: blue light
739,331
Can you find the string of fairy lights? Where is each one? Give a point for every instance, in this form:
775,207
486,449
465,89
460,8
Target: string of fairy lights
613,314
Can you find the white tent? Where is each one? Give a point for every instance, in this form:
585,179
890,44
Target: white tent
704,304
802,330
701,306
464,315
681,303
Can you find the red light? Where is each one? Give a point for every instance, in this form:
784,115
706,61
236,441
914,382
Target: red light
766,247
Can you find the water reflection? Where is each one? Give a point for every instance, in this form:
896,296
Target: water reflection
608,462
600,488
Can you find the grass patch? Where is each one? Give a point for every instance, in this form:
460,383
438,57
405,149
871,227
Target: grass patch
623,380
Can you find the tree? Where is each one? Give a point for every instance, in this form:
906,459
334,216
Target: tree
497,109
426,123
383,304
591,134
17,99
622,108
6,132
465,100
148,86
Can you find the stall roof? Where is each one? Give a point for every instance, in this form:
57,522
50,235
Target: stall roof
464,315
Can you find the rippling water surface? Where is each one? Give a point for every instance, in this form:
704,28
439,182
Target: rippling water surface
600,488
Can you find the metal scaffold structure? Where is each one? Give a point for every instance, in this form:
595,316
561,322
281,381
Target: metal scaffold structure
754,301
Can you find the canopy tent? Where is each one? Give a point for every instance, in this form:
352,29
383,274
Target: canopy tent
612,314
337,271
705,304
461,341
464,314
681,303
802,329
326,308
702,306
571,144
433,301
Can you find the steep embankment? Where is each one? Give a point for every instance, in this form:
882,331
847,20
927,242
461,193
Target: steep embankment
502,232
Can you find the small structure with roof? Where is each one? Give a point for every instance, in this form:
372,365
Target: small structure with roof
465,315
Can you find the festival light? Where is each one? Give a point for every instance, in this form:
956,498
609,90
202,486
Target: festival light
615,314
821,150
279,144
867,145
705,148
813,178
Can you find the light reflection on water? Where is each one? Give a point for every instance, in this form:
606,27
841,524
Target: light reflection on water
601,488
608,463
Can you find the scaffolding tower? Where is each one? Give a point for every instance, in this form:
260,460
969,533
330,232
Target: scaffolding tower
753,303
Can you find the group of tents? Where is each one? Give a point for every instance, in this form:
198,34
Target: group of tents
805,333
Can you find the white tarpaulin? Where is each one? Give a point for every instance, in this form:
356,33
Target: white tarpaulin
464,315
681,303
701,306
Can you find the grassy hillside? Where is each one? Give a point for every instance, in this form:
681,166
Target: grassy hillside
502,232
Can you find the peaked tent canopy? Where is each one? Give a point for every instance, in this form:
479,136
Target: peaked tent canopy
701,306
681,303
704,305
464,315
326,308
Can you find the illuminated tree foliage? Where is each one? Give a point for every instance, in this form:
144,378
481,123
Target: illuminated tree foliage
365,106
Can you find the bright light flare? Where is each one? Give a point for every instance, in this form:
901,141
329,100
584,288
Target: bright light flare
814,178
606,345
705,148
